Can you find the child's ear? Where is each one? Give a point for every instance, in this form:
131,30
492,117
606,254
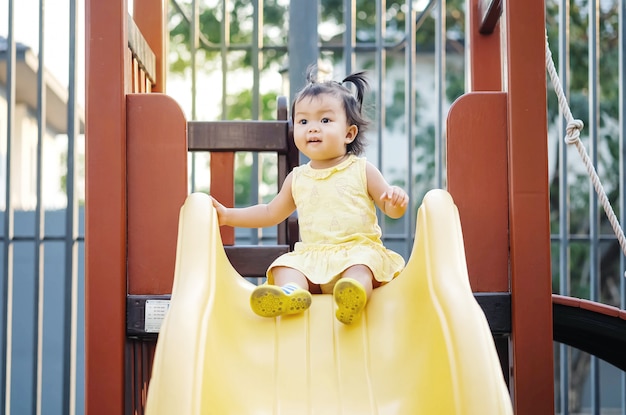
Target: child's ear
352,132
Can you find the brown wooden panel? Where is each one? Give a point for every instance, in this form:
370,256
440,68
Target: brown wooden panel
238,136
157,188
253,261
478,182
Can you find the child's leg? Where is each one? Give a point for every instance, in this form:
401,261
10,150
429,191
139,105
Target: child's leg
362,274
288,295
286,275
352,291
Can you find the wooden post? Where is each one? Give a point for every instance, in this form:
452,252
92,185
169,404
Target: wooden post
105,220
485,62
529,214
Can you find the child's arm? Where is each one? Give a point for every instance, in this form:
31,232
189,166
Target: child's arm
392,200
261,215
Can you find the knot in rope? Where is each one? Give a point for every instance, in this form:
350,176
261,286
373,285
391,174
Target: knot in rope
573,131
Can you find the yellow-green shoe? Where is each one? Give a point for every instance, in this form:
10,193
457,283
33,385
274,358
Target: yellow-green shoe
350,298
272,300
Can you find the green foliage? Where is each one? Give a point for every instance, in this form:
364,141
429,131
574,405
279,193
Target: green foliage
213,28
332,11
240,106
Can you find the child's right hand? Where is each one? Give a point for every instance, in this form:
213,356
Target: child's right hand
220,209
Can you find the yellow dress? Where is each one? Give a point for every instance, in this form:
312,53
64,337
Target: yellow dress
338,225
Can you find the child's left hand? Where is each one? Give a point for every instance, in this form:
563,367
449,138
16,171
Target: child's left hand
396,197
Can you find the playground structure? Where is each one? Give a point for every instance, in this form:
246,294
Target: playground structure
137,183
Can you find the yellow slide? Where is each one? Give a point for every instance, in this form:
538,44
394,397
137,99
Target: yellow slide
423,346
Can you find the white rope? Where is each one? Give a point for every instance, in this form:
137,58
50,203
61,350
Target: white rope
574,126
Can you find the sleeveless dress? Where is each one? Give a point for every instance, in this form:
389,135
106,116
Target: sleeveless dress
338,225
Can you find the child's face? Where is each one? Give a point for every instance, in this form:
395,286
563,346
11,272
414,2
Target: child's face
321,131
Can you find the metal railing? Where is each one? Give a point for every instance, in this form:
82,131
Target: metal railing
41,337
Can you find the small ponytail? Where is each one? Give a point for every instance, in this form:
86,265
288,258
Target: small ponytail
359,80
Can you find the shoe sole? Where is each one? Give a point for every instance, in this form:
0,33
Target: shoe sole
271,301
350,298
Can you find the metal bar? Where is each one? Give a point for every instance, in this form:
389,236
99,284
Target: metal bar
564,228
257,57
409,110
585,238
303,46
7,280
594,221
256,60
381,57
38,295
440,90
194,33
324,46
622,166
70,311
380,85
349,35
225,48
424,14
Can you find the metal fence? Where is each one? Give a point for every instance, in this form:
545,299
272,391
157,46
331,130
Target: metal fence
229,60
587,42
40,306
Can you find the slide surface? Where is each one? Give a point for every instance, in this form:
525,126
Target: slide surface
423,345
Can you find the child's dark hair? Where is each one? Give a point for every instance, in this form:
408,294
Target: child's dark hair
352,104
